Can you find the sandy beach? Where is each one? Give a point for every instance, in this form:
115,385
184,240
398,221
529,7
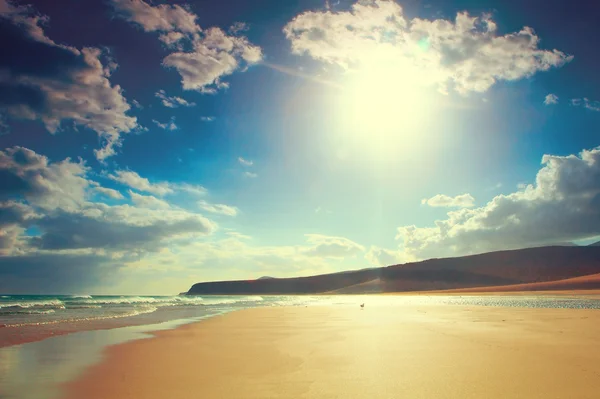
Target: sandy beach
344,352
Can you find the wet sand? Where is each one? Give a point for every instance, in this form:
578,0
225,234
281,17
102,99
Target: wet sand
344,352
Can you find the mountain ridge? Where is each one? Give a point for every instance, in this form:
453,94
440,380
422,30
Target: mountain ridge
492,269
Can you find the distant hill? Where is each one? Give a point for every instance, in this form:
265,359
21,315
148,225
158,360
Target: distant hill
595,244
494,269
266,278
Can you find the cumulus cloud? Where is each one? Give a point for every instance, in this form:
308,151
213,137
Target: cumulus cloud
120,227
441,200
467,52
562,205
190,188
14,218
54,197
207,118
172,102
212,54
109,192
148,201
26,174
133,180
245,162
219,209
250,175
167,125
71,85
384,257
162,18
331,247
551,99
586,103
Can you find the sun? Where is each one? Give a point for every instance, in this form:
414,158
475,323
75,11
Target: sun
385,102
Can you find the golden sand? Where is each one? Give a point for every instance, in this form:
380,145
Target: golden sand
342,352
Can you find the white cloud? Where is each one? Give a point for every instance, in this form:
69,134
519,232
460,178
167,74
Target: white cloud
441,200
148,201
57,203
49,186
109,192
385,257
323,210
133,180
586,103
467,52
162,18
331,247
71,85
251,175
245,162
213,54
562,205
167,125
172,39
172,102
551,99
207,118
219,209
238,235
238,27
190,188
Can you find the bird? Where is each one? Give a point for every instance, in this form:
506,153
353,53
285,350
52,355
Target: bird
362,306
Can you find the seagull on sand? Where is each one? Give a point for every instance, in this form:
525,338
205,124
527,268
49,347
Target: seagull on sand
362,306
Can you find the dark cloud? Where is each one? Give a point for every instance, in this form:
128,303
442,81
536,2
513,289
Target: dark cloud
77,231
24,173
69,85
55,273
21,55
59,192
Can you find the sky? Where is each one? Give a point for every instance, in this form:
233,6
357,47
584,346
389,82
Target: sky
149,145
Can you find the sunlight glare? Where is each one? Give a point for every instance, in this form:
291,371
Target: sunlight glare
385,102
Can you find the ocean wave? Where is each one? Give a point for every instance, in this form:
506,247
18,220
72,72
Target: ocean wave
136,312
81,296
134,300
41,311
230,301
50,304
163,301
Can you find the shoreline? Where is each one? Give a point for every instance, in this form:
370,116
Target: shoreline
11,335
340,351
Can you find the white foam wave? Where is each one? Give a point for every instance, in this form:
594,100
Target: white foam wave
137,312
53,304
81,296
134,300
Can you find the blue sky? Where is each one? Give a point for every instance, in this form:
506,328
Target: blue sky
147,146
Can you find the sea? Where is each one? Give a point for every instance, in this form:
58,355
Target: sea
39,310
46,340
